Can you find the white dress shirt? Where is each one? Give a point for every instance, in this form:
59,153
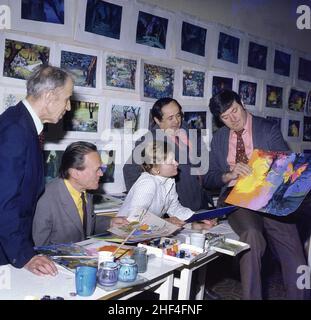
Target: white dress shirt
35,118
157,195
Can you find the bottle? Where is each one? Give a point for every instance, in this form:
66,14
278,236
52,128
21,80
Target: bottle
141,259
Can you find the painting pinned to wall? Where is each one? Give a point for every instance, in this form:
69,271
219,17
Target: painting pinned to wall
278,184
276,120
120,72
195,119
193,39
308,104
44,11
108,160
248,92
307,129
82,66
83,116
11,97
158,81
20,58
296,100
193,83
282,62
274,97
304,70
293,129
52,161
103,18
221,83
257,56
151,30
228,48
126,117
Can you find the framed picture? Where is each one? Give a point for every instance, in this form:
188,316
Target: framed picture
195,119
84,120
258,58
103,23
191,40
283,64
273,95
293,130
250,91
21,55
304,70
157,81
52,162
306,129
308,104
121,73
228,54
296,100
108,160
150,30
193,84
84,64
46,17
11,96
218,81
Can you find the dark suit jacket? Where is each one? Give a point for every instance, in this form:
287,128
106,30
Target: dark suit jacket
21,183
57,218
266,136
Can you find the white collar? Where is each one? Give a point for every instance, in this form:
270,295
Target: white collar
34,116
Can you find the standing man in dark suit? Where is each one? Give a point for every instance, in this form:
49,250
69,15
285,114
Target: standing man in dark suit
231,147
21,167
60,214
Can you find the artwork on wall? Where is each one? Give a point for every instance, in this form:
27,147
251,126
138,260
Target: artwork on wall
248,92
228,48
191,42
296,100
282,63
103,23
125,117
46,17
52,161
304,69
307,129
221,83
308,104
120,72
151,30
193,84
22,55
157,81
195,119
12,96
274,96
108,160
83,64
217,81
257,56
293,127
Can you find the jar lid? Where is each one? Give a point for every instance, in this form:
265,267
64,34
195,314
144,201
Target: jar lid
127,261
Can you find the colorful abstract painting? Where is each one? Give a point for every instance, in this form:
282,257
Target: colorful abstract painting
158,81
296,100
274,97
278,184
247,92
193,83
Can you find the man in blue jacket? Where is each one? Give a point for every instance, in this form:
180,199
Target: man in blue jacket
21,166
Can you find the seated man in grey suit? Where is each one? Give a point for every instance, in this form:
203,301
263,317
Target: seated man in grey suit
62,215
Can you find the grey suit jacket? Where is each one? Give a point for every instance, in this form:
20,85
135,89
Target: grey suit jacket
266,136
57,219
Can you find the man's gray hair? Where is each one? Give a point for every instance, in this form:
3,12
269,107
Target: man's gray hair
45,78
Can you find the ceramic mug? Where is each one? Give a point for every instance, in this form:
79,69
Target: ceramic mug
107,274
85,280
128,270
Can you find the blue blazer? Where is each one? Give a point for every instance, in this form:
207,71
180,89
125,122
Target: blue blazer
21,183
266,136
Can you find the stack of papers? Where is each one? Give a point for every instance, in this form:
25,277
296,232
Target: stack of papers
104,203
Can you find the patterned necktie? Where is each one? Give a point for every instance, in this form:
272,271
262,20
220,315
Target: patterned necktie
240,148
84,213
41,139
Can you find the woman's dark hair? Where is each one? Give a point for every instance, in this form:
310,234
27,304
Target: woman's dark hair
156,111
73,157
222,101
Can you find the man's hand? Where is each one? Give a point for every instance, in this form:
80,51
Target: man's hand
118,222
41,265
240,169
179,223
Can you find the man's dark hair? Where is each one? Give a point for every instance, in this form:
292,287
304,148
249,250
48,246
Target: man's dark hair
222,101
73,157
156,111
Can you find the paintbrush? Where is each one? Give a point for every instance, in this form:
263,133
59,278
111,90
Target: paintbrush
123,242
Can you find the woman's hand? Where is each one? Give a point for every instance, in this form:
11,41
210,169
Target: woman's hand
118,222
179,223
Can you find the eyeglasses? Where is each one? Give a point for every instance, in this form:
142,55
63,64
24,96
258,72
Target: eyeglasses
103,168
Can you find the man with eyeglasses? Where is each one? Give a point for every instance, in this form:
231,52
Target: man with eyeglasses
65,212
168,125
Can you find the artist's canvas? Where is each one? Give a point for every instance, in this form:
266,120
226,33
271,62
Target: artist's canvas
278,183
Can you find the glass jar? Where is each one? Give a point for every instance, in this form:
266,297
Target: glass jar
107,274
141,259
127,270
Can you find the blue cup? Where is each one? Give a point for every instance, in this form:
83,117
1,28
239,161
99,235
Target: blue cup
85,280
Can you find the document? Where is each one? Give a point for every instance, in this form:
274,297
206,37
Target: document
211,214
